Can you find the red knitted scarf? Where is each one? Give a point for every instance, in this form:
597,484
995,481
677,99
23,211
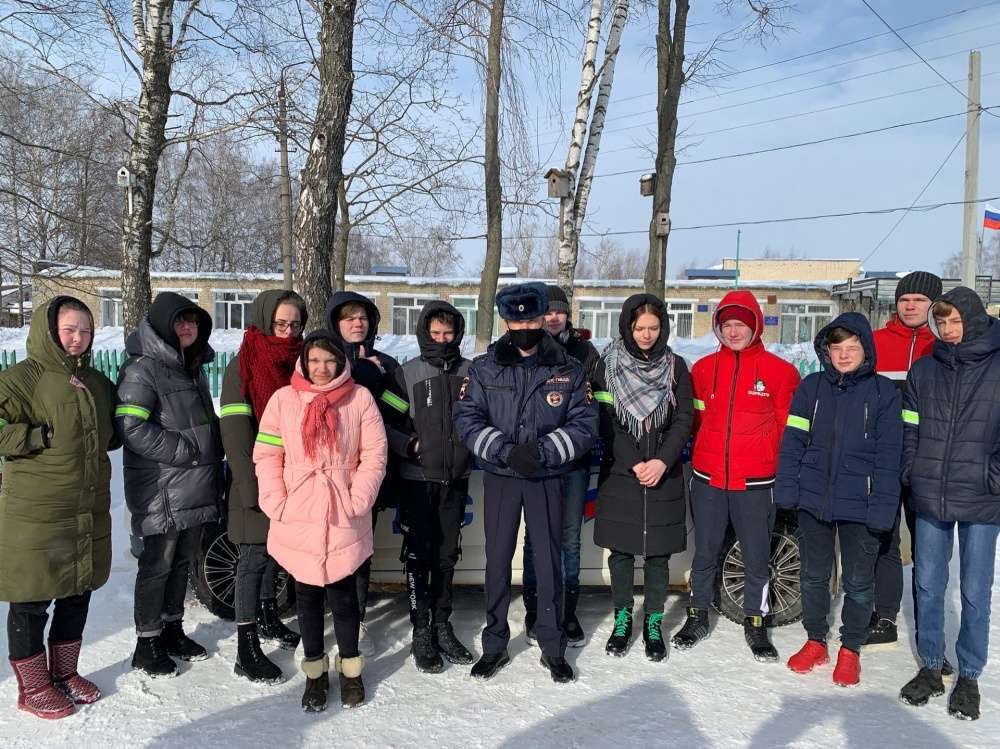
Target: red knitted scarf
266,365
319,425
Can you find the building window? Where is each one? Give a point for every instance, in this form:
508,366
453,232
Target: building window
681,318
405,312
111,308
468,308
232,309
600,316
801,322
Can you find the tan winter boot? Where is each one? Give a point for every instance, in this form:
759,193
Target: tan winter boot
352,689
317,684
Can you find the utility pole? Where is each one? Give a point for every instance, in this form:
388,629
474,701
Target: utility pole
736,283
284,188
970,225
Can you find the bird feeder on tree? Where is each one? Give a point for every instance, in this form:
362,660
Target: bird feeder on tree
558,182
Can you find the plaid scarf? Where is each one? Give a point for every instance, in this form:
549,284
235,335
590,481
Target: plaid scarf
643,389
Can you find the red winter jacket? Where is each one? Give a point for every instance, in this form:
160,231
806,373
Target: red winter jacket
897,347
741,402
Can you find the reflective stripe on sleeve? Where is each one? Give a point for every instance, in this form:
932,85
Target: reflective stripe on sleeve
911,417
604,396
798,422
236,409
561,434
484,440
270,439
699,405
132,410
391,399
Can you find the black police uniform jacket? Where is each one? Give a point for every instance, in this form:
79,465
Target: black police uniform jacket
505,402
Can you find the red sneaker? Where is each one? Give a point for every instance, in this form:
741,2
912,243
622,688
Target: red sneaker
848,670
812,654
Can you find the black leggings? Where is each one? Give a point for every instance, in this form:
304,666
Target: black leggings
26,624
342,598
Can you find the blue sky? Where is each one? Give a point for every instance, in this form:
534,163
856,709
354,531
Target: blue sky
875,171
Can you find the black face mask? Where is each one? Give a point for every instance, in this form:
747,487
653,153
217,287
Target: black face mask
526,339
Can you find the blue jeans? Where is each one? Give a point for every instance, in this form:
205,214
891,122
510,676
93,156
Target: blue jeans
575,484
977,544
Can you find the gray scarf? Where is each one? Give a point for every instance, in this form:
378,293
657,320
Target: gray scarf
643,389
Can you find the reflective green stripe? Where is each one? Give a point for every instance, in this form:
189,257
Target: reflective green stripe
604,396
395,401
4,422
270,439
236,409
911,417
137,411
798,422
699,405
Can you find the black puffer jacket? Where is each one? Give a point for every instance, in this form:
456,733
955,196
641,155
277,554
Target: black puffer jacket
421,397
951,415
577,344
630,517
173,449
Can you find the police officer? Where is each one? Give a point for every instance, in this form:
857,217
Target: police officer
526,413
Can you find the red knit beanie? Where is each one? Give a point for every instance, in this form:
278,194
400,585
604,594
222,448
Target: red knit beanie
735,312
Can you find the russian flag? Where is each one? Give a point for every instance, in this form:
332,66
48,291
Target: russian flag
992,218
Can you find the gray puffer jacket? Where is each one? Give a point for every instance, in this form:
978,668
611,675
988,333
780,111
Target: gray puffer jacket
173,447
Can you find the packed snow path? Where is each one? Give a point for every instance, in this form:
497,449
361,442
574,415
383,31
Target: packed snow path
713,696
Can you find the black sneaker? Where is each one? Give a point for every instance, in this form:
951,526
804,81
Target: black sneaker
251,663
561,671
489,665
450,646
179,645
695,629
314,698
881,631
621,635
652,636
756,636
947,670
270,628
918,690
964,700
571,625
425,653
151,657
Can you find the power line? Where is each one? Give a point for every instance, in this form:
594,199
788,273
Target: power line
919,195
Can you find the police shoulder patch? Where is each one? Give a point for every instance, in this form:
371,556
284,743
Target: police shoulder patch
590,394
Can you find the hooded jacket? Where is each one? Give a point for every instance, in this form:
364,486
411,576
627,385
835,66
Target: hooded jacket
898,346
173,449
366,374
246,523
505,402
951,415
418,405
841,450
320,507
741,402
630,517
55,517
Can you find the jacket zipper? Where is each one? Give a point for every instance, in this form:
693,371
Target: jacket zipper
913,345
448,433
645,502
729,421
947,443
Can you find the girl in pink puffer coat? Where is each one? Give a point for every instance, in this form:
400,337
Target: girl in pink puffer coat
320,457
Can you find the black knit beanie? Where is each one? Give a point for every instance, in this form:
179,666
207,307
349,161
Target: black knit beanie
557,300
919,282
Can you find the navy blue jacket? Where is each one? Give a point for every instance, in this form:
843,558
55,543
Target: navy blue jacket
951,456
504,402
841,450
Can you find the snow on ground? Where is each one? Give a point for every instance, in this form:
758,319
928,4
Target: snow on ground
713,696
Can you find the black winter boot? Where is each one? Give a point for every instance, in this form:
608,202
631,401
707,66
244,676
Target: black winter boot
489,665
755,632
918,690
352,689
251,663
621,635
179,645
559,669
317,684
449,645
695,629
151,657
530,598
652,636
964,700
270,628
571,625
425,653
881,631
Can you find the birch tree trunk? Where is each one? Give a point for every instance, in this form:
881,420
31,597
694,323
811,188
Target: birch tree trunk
494,194
323,171
342,239
670,79
153,24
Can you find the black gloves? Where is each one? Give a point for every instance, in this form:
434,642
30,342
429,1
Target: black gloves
525,458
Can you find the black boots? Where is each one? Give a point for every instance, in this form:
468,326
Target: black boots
621,635
251,663
151,657
425,652
450,646
179,645
695,629
571,625
559,669
918,690
530,598
352,688
317,684
757,639
964,700
270,628
489,665
652,636
881,631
